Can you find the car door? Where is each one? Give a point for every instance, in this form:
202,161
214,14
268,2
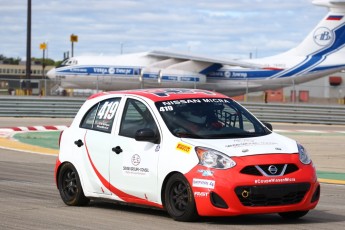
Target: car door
133,164
98,123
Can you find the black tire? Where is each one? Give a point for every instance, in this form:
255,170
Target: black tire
179,199
69,186
293,215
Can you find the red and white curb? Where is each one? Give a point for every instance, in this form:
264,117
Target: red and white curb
5,132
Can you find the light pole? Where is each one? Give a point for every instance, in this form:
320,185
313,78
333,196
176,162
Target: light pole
74,38
28,49
43,47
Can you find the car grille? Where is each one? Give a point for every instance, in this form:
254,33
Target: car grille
272,195
263,170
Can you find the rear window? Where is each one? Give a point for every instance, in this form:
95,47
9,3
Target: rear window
101,116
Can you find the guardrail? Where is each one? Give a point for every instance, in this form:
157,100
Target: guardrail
298,113
66,107
30,106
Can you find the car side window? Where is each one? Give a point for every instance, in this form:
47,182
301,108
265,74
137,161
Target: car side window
101,116
136,116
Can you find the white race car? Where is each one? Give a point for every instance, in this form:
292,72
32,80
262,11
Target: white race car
190,152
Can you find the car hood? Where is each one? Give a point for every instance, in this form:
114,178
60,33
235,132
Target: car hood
268,144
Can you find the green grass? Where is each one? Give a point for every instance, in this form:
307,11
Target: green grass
47,139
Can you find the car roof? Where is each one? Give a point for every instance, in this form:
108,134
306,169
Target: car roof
164,94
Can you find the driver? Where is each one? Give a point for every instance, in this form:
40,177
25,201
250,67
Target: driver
198,119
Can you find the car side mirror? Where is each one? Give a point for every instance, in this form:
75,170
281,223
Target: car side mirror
147,134
268,125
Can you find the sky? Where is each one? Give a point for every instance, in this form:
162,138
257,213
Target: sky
218,28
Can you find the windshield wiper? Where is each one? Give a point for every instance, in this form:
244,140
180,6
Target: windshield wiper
233,135
186,134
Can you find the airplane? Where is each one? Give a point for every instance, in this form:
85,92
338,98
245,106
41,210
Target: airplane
321,53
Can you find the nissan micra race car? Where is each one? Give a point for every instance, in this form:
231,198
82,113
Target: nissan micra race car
190,152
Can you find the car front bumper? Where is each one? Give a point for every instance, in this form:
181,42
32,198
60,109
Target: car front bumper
238,191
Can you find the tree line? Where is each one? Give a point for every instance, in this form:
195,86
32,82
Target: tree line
36,61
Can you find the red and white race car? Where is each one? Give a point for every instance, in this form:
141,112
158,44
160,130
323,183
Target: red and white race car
190,152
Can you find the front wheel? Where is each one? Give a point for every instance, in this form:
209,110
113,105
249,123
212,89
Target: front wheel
293,215
179,199
69,186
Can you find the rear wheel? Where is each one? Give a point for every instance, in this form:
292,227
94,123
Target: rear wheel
69,186
293,215
179,199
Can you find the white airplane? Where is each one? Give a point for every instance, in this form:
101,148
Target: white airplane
321,53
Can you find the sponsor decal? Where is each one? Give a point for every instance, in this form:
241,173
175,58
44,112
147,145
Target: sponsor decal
168,106
135,169
195,101
205,172
248,143
183,147
168,92
274,180
201,194
201,183
135,159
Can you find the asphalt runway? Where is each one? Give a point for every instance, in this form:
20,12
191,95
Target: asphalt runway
29,198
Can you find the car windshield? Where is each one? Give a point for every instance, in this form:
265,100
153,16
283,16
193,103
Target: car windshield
209,118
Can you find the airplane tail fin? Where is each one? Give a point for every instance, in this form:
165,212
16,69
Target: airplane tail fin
329,35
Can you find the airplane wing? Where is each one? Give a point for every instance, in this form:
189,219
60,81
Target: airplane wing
199,58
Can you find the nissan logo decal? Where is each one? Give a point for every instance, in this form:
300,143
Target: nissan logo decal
272,169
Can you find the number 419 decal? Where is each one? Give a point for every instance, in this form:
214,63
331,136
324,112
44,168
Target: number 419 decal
166,108
108,110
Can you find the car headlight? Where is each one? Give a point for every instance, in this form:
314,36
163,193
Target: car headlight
303,155
214,159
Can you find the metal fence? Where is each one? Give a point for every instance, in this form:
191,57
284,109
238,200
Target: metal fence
67,107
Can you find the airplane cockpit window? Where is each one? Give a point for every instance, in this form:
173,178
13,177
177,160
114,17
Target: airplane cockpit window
68,62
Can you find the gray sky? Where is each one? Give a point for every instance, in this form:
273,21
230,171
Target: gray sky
219,28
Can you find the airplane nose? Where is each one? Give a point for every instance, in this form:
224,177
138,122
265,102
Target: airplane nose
51,73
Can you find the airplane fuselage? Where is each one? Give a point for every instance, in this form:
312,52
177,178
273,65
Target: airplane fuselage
321,53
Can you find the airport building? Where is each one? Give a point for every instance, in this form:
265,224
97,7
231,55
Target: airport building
13,79
327,90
